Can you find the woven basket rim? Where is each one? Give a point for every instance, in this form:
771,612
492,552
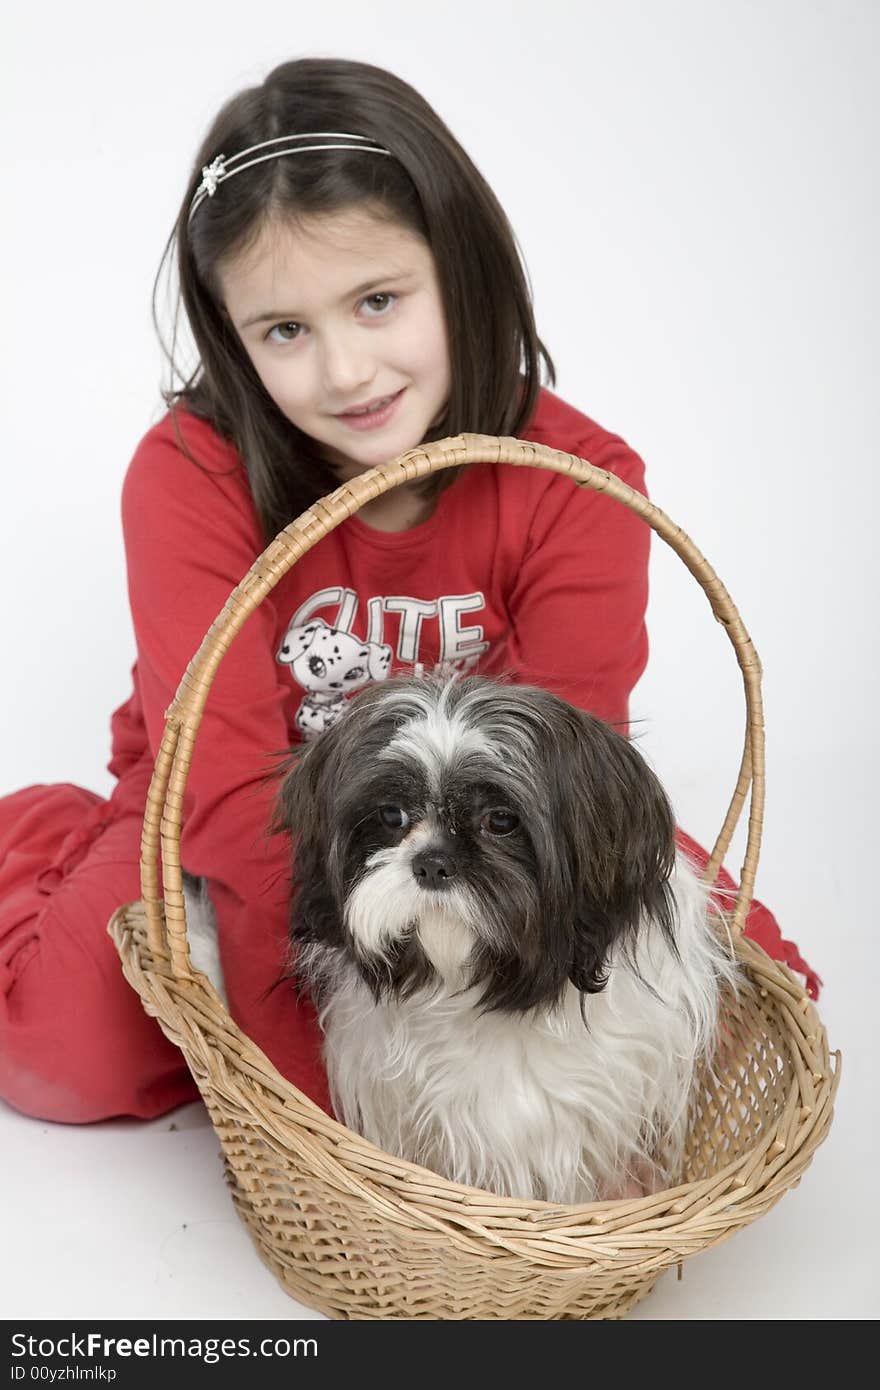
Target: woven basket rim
152,982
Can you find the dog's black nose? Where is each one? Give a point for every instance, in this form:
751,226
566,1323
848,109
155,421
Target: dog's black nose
434,869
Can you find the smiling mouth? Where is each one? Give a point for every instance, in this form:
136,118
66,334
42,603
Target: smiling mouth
371,408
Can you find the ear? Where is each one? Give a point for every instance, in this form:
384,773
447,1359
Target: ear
301,806
619,834
312,772
378,660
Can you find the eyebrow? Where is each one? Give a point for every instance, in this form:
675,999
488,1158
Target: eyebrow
285,314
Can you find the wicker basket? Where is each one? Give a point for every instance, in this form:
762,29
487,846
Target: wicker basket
358,1233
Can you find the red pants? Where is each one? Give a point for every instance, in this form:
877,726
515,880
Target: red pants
75,1042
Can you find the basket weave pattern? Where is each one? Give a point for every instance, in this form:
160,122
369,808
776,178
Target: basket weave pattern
357,1233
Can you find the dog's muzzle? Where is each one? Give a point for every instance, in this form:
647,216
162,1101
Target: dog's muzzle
434,869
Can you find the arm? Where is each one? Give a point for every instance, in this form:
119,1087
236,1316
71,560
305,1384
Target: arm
190,536
578,603
578,610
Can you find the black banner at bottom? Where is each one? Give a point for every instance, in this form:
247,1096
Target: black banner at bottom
130,1353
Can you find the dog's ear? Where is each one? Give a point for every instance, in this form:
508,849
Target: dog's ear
301,805
304,809
619,834
312,774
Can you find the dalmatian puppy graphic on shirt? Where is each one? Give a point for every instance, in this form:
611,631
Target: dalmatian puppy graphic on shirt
330,664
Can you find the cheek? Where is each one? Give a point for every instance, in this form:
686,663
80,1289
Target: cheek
439,368
509,869
424,350
288,386
383,901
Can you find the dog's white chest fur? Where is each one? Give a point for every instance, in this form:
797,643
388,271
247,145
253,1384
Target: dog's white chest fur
535,1105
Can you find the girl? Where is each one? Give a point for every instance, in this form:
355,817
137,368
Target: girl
353,289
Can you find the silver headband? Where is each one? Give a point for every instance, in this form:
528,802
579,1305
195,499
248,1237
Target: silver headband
221,168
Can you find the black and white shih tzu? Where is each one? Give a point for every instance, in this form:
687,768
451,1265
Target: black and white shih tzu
516,973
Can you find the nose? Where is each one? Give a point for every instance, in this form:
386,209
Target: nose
434,868
347,366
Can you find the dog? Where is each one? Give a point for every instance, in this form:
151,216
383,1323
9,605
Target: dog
516,973
331,665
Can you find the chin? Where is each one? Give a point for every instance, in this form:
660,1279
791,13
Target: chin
517,976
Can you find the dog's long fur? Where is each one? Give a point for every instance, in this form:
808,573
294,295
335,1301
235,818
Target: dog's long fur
516,975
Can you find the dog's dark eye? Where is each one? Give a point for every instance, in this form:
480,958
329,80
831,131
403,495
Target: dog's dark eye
499,821
393,817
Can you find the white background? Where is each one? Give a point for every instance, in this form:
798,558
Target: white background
693,184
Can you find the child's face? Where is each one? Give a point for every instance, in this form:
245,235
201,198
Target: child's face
349,312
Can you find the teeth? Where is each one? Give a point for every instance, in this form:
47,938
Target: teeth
371,409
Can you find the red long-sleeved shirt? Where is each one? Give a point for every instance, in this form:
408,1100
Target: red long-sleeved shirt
517,571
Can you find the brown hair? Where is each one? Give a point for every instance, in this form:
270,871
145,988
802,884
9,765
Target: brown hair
430,186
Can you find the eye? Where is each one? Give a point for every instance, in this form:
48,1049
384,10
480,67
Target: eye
393,817
500,820
295,331
381,302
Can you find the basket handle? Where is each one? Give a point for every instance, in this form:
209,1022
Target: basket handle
166,931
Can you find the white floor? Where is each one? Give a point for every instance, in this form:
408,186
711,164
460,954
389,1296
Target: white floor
133,1220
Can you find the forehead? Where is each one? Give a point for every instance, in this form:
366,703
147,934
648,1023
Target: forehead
450,789
312,260
449,760
440,746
